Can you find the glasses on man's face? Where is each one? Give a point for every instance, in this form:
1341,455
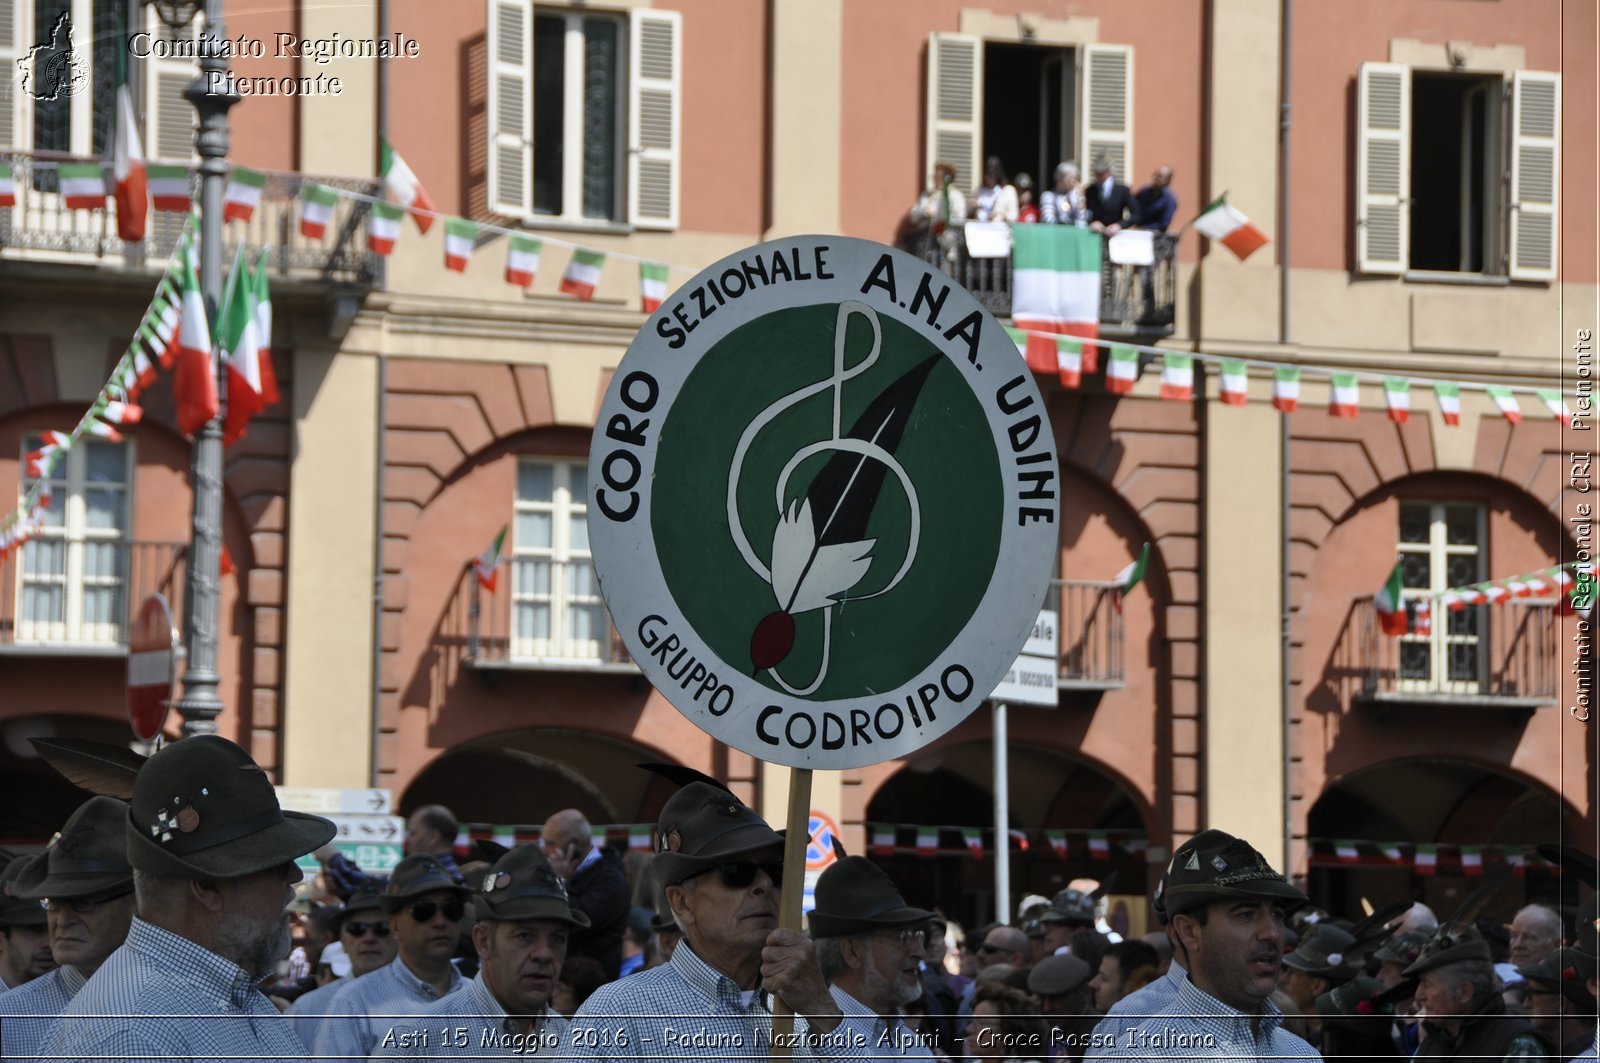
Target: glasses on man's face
908,938
741,874
80,905
381,930
424,911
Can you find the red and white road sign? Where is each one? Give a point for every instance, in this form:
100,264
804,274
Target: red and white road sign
152,667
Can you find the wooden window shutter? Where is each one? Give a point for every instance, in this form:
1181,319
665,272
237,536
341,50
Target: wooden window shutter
169,119
1535,174
16,24
955,107
1383,169
655,95
510,107
1106,118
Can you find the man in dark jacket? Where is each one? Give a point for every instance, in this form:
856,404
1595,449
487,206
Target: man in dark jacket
597,884
1111,205
1464,1016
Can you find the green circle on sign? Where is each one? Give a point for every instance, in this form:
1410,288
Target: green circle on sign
891,621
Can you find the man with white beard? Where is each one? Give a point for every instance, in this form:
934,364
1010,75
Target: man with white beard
213,873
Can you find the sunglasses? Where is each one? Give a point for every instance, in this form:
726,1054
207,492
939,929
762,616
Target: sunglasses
423,911
740,874
357,930
80,905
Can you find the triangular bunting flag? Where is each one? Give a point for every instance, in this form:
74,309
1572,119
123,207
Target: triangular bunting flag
316,210
883,840
1099,845
927,841
1346,851
169,188
583,272
1507,402
1448,396
1472,859
1557,406
974,840
1058,842
1397,397
522,260
460,236
639,837
383,228
83,185
1285,388
1177,377
1235,387
1122,371
1344,395
652,286
243,195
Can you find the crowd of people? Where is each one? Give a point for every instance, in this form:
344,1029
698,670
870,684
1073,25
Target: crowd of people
1103,204
158,927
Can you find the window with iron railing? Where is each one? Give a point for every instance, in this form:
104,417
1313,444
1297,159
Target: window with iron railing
556,608
1442,546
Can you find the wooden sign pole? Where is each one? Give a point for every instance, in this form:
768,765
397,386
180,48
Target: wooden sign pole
790,901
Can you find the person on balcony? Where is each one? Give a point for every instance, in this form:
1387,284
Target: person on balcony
1156,202
1063,204
1111,206
1027,209
941,211
996,198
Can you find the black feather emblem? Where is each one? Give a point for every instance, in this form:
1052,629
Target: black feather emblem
99,767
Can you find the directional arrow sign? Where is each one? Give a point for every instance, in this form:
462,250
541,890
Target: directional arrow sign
367,829
332,801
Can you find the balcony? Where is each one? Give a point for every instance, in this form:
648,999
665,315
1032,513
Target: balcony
60,598
40,228
1090,630
1492,656
542,616
1134,300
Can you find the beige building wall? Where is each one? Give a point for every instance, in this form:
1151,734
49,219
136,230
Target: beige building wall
807,75
339,133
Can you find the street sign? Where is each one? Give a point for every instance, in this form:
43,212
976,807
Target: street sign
152,667
1029,681
820,853
1045,640
369,830
373,843
332,801
823,502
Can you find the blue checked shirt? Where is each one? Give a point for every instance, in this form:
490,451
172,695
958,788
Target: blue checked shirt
1136,1007
1196,1025
161,996
472,1025
684,1009
363,1011
29,1013
308,1009
891,1039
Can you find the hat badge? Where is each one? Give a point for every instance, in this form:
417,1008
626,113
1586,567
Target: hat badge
1219,863
497,882
673,841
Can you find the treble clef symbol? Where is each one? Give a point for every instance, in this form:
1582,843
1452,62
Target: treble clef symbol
819,548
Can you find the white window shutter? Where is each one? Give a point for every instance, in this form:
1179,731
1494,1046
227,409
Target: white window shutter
655,95
955,107
1535,174
16,25
1383,169
1106,94
510,107
169,119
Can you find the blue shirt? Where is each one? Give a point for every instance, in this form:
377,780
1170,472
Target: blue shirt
363,1011
308,1009
162,996
472,1024
1197,1025
1142,1003
1156,207
891,1039
30,1012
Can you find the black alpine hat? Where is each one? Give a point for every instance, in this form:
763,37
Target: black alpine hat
88,858
415,875
203,809
368,897
1449,945
1584,952
1402,948
521,885
1070,906
855,896
1324,953
1056,976
702,826
14,910
1216,866
1158,903
1557,973
1357,1005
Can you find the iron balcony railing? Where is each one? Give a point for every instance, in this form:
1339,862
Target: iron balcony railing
1486,654
59,595
1133,299
1091,634
40,227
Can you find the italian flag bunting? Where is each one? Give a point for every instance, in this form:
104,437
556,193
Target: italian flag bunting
522,260
127,163
83,185
1058,842
883,839
460,236
583,272
1051,354
1389,605
1495,592
1222,222
243,195
1397,396
1344,395
1130,577
195,383
8,186
1472,859
402,186
1099,845
1557,405
316,210
652,286
241,353
487,564
505,835
1391,852
169,188
1347,851
1020,838
1452,601
639,837
119,411
51,444
1055,284
1122,371
462,847
1285,389
1507,402
927,841
383,228
91,425
974,839
1421,616
1235,390
1177,377
1448,396
1427,862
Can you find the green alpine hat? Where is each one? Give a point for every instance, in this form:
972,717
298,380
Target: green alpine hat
1205,838
702,826
1402,948
1584,952
14,910
88,858
1357,1005
1449,945
1215,866
520,886
1322,953
367,898
415,875
856,896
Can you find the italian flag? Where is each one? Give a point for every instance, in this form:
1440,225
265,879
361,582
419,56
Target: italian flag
974,839
459,237
402,186
241,353
127,166
1285,389
1472,859
1122,371
1421,616
169,188
1020,838
1058,842
1389,606
1235,383
1391,852
1448,396
263,305
506,835
243,195
1427,861
316,210
1055,284
1347,851
1344,395
144,368
1177,377
927,841
1222,222
583,272
1452,601
883,839
1046,354
383,228
487,564
462,847
652,286
83,185
119,412
522,260
1495,592
1557,406
1507,402
1518,588
639,837
1397,396
1129,577
8,186
1099,845
195,384
50,444
94,427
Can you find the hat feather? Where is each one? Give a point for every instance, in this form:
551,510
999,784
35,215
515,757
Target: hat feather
98,767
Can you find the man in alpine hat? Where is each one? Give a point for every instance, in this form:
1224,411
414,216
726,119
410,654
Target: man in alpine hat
87,886
721,867
870,944
1227,909
363,934
524,923
1583,955
1463,1014
24,935
213,873
1322,960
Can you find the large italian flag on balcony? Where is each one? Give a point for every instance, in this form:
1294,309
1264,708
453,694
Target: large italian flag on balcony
1055,286
1229,225
1388,605
486,566
127,165
402,186
195,382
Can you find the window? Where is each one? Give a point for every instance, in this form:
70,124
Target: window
1034,106
1432,151
583,114
556,608
72,584
1441,546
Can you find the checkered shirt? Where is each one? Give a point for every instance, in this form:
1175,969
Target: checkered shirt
1199,1026
470,1025
685,1009
162,996
29,1013
308,1009
1133,1009
891,1039
363,1011
1593,1052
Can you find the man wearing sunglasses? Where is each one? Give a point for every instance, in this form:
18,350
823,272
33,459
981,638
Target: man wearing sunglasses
368,945
85,882
721,868
425,907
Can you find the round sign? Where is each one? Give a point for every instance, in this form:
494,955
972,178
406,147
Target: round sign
823,502
152,667
820,851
